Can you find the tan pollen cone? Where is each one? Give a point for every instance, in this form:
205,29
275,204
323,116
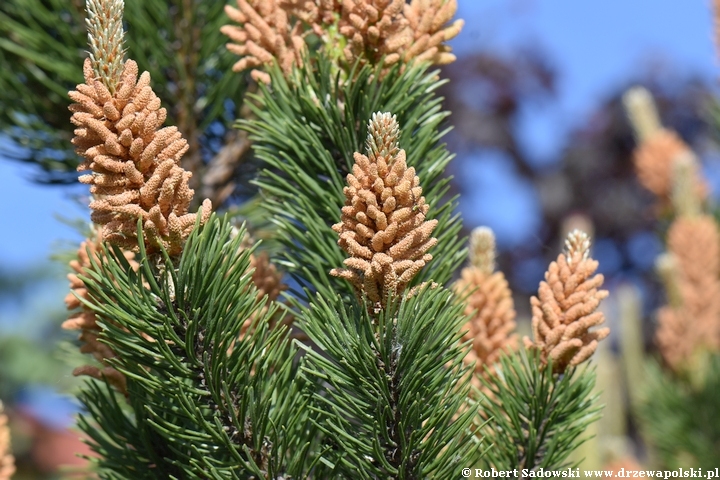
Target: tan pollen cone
7,461
491,327
564,312
134,163
264,35
383,226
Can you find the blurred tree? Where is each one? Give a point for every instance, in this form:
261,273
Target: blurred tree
486,94
33,368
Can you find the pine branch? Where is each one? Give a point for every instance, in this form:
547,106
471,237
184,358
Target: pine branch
204,400
307,130
536,417
393,402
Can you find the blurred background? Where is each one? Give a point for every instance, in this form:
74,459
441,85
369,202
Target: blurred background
542,143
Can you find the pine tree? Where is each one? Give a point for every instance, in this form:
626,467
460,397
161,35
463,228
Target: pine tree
201,369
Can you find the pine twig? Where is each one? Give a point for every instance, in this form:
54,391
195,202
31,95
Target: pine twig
536,417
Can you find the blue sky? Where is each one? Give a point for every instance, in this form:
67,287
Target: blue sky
595,45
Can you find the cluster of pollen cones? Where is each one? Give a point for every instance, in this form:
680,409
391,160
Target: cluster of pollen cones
489,305
391,31
691,319
135,175
268,281
667,167
564,312
386,235
654,159
658,148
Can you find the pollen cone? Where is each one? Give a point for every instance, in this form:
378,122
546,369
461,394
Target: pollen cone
318,14
654,159
492,317
694,320
7,461
135,163
564,312
375,30
265,34
383,226
428,21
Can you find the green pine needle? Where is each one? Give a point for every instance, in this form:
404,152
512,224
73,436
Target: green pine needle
307,129
536,419
679,414
394,398
205,402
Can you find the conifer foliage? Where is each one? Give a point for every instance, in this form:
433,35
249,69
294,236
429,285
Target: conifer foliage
204,398
200,372
536,418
